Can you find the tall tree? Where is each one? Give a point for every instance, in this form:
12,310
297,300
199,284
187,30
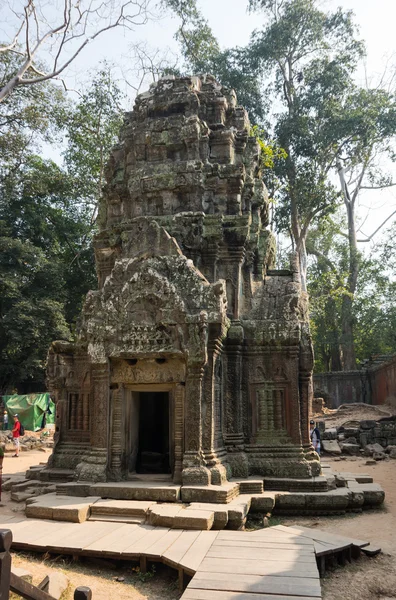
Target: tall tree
305,60
60,31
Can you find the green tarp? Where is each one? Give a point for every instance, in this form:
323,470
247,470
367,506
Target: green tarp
30,409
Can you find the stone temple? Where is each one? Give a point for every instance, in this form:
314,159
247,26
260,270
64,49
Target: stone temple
193,358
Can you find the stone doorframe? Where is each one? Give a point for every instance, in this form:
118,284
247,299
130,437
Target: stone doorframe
176,433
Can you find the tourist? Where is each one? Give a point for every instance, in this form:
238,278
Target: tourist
16,432
315,436
5,421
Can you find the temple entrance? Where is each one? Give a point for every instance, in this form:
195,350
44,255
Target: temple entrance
148,433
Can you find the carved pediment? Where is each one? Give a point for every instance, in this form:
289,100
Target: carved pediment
149,305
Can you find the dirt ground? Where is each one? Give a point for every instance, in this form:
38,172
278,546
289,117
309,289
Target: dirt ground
365,579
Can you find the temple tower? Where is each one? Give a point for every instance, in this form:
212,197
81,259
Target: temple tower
194,357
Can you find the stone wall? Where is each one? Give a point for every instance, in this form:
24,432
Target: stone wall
373,384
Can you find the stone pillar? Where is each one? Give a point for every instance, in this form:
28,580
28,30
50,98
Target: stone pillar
233,423
194,468
212,457
79,421
85,403
178,398
93,466
116,437
73,410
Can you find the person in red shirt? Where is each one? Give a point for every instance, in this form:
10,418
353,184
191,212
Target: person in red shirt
16,432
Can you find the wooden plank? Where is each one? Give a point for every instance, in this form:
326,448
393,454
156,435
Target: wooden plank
297,586
330,538
259,567
119,543
107,542
6,519
83,535
264,535
196,594
52,536
29,534
197,551
155,543
17,525
322,549
371,550
270,555
269,545
175,553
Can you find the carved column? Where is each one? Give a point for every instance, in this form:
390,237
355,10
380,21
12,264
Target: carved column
73,410
99,418
116,443
233,428
85,404
178,396
79,419
93,465
194,469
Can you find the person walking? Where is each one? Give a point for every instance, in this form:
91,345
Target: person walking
315,436
16,434
5,420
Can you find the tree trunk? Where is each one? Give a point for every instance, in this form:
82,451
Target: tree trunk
347,318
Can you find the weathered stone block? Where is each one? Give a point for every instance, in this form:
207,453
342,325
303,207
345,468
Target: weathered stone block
331,447
370,449
348,448
22,573
194,519
330,434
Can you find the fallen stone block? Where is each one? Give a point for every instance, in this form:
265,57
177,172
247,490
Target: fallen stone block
331,447
22,573
54,584
379,455
371,448
330,434
352,449
392,453
367,424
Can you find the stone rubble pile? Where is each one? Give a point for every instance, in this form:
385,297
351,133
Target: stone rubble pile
374,439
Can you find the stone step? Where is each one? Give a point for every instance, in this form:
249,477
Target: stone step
122,508
313,484
216,494
250,485
118,519
59,508
178,516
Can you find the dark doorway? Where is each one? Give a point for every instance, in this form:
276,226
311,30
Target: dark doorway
153,445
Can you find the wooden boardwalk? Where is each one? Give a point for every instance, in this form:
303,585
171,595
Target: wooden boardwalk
266,564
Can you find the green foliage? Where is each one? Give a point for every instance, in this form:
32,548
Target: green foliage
47,214
270,153
374,313
92,129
